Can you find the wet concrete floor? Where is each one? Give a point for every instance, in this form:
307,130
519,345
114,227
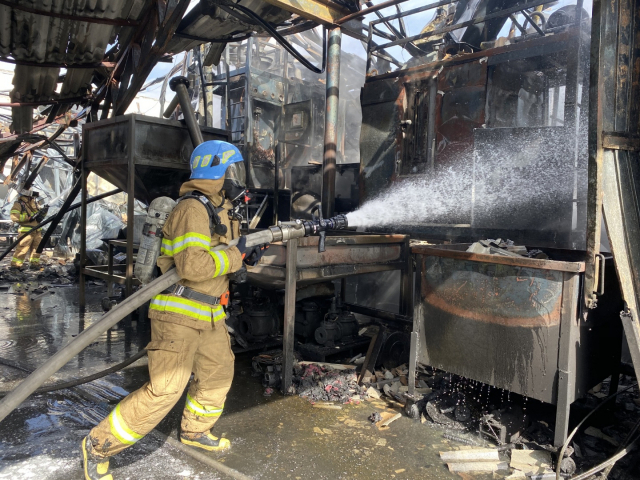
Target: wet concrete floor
272,437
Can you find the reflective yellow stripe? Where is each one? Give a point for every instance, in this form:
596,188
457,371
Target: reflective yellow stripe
120,430
17,261
189,308
218,313
221,260
189,239
198,409
166,247
16,211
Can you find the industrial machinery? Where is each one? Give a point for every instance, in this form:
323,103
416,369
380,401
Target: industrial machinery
501,102
498,94
337,325
275,111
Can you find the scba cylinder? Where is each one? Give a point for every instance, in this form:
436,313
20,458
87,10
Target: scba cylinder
151,239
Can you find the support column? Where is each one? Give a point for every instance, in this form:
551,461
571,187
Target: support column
288,341
83,234
331,123
131,184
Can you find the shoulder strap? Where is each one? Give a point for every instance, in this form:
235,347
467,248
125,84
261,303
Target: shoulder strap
215,225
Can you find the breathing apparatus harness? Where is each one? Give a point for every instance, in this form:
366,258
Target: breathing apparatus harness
215,227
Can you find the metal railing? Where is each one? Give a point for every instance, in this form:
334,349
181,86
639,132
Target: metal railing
379,51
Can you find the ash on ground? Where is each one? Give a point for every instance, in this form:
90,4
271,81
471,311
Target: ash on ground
325,383
52,270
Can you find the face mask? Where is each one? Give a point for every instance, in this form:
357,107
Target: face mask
231,189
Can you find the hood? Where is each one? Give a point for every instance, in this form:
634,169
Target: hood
211,188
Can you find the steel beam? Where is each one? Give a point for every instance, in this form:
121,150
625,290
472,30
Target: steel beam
151,50
318,11
373,9
601,101
569,334
331,123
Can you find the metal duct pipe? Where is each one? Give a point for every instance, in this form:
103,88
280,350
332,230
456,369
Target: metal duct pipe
180,86
331,123
171,107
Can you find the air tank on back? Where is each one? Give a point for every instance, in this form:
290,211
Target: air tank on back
151,240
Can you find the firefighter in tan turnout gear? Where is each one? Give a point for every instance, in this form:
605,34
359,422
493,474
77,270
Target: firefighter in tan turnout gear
27,214
188,331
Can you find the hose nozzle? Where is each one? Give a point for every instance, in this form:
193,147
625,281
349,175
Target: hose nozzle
319,226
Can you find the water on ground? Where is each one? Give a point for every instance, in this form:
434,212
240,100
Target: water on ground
272,437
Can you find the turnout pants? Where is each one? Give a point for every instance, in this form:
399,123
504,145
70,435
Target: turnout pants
28,243
174,352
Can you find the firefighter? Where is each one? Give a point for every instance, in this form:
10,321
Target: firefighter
188,331
25,212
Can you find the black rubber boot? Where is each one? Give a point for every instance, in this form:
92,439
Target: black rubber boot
95,468
205,441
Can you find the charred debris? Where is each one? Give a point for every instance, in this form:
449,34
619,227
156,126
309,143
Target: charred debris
504,345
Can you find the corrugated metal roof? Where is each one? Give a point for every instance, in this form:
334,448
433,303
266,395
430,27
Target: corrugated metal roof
30,37
46,37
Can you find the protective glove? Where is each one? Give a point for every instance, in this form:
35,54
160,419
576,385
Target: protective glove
254,254
242,246
39,217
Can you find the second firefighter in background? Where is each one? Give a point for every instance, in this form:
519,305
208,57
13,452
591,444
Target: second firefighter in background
27,214
188,330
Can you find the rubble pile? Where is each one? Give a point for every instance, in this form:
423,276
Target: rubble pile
323,382
491,430
505,248
52,270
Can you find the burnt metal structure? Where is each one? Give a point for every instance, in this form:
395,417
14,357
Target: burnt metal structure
515,323
298,263
614,178
147,158
467,92
277,112
559,98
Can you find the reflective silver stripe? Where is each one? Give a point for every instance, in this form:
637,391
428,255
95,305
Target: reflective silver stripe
191,240
221,260
198,409
121,431
182,306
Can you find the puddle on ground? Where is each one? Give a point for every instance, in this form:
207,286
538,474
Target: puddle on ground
272,437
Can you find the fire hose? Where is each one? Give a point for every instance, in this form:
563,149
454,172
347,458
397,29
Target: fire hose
282,232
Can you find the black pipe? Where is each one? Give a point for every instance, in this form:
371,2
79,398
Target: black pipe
180,86
58,216
50,219
75,381
282,41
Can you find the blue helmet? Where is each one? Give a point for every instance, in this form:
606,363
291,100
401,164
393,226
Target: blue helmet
210,160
